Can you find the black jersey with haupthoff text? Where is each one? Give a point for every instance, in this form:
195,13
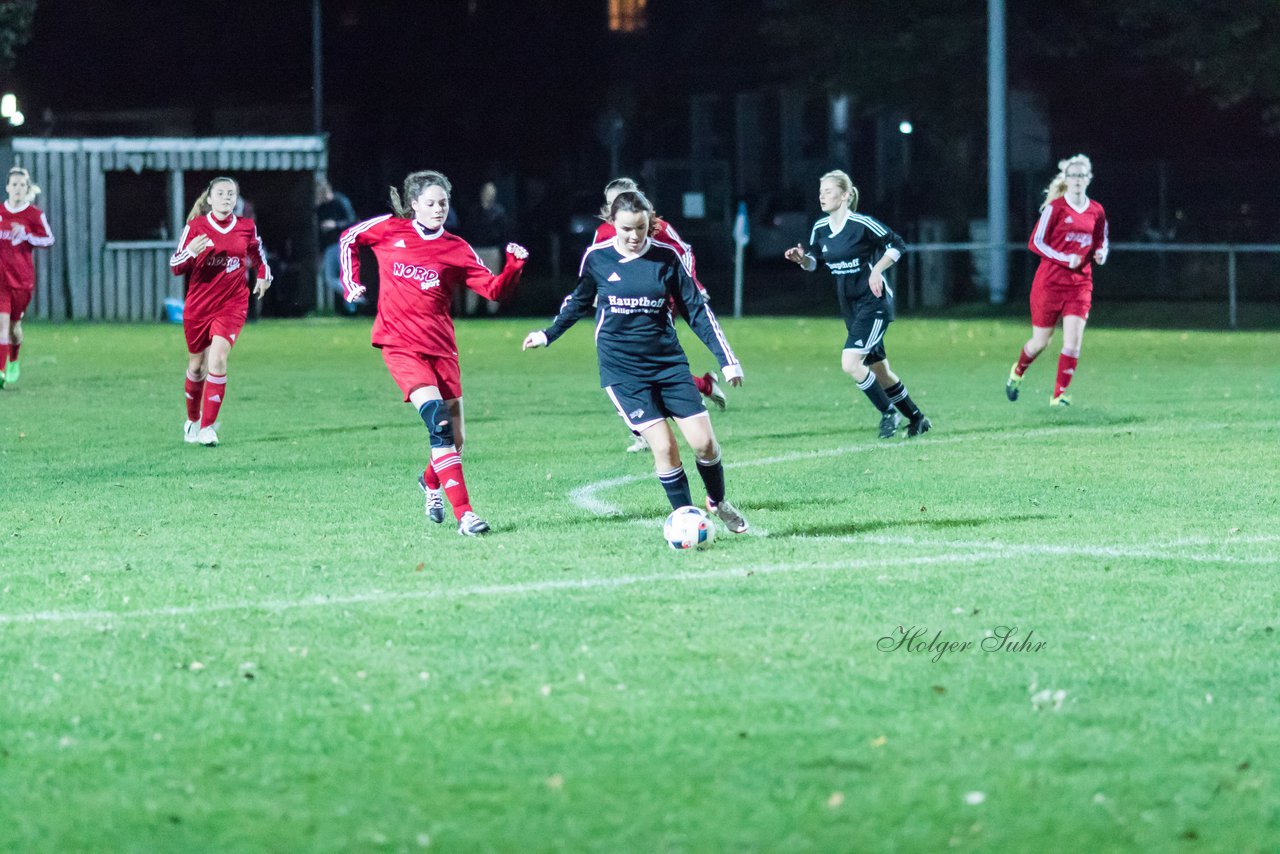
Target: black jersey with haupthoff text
635,337
850,253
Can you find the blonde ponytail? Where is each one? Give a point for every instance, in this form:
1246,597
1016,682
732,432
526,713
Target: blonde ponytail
1058,186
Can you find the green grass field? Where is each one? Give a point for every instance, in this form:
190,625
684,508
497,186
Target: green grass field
265,646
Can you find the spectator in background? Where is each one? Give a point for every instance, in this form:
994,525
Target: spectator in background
334,215
488,231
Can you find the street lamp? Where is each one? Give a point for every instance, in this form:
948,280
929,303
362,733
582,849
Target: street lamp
905,128
17,119
8,105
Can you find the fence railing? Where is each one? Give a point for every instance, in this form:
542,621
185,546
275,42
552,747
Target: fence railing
135,280
916,271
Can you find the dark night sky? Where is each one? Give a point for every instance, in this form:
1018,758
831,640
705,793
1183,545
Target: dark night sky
491,87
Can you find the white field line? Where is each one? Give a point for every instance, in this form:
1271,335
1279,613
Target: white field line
516,589
979,552
587,496
1165,553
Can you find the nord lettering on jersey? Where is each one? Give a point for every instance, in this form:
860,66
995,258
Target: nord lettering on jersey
635,302
231,262
424,276
1078,237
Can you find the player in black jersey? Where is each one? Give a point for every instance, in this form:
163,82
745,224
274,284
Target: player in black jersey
629,279
858,249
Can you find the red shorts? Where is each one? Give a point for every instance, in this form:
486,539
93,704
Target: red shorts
413,370
1050,303
226,323
14,301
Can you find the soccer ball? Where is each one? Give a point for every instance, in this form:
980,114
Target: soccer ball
689,528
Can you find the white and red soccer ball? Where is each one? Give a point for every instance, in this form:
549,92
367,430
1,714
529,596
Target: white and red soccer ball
689,528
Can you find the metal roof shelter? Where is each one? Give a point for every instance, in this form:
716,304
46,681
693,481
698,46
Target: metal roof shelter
86,277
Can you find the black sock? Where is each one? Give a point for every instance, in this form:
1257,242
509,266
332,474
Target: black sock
898,396
874,393
676,483
712,472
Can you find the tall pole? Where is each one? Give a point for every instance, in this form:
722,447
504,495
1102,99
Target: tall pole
997,154
317,73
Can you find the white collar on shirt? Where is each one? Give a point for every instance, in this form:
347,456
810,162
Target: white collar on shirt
644,247
231,223
18,209
1076,209
423,233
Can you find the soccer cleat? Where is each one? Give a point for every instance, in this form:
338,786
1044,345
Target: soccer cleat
434,501
1011,387
915,428
889,421
190,429
471,525
717,393
1063,399
11,373
208,436
638,445
728,514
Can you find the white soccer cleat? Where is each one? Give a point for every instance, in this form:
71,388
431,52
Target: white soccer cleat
434,501
189,431
733,520
208,436
638,445
471,525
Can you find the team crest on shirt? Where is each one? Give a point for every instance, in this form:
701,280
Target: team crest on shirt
426,277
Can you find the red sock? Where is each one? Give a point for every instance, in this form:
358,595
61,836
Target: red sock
704,384
215,391
195,391
4,355
1024,361
430,477
1066,370
449,469
13,351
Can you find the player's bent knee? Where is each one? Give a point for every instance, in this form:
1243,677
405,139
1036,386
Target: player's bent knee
439,425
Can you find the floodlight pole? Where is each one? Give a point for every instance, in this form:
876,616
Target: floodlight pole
317,71
997,154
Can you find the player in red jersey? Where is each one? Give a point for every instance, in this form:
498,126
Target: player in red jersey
216,248
420,265
23,227
664,234
1070,236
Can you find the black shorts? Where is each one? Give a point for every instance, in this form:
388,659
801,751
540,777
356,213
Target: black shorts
867,326
643,404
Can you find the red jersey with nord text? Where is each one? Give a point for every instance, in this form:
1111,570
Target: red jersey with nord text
1063,231
219,274
418,272
31,229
